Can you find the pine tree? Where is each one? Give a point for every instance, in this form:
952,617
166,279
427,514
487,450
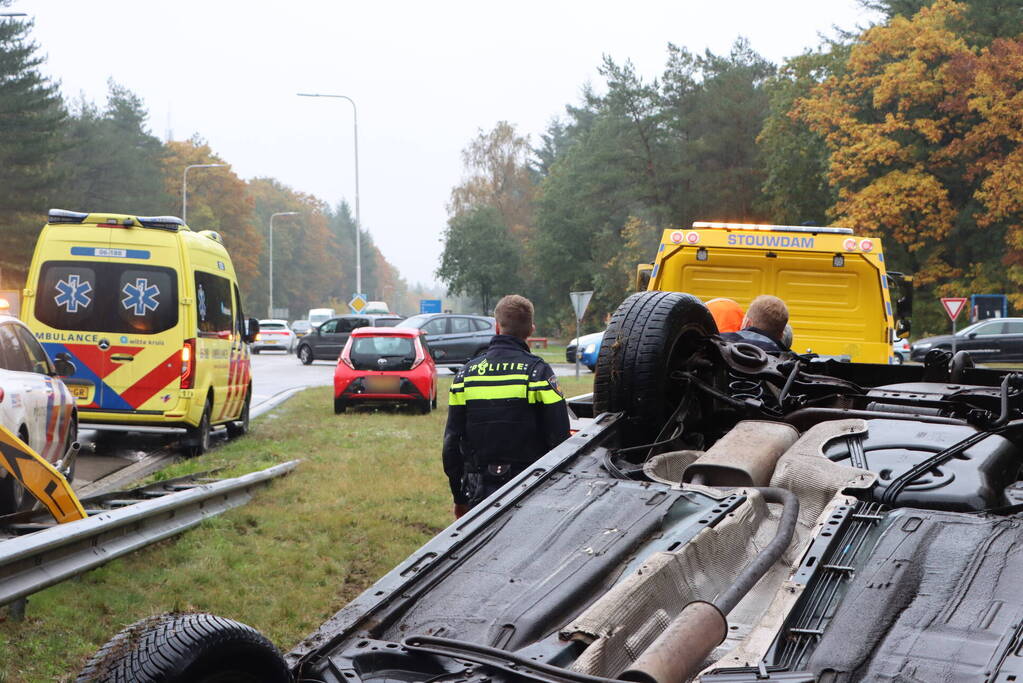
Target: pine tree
31,121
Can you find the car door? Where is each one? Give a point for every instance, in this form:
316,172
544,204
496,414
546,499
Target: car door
1011,341
53,402
436,336
26,386
325,338
484,331
983,342
461,338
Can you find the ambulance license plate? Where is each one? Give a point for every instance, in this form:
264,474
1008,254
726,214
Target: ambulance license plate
79,391
383,385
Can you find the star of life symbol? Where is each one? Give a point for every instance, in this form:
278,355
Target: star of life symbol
140,297
202,303
73,293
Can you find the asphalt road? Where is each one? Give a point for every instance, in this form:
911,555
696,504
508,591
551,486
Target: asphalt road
275,376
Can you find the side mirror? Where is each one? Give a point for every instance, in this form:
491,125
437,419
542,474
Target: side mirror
63,365
971,335
251,330
902,328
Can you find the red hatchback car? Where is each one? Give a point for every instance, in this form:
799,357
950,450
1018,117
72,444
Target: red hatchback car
386,364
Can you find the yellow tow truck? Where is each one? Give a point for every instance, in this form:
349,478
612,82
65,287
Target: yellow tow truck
836,285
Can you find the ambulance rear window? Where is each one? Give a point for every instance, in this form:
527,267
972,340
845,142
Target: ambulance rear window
213,299
117,298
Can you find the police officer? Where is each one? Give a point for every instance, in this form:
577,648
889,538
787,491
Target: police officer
505,410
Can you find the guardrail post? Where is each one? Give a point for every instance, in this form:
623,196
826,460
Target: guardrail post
16,609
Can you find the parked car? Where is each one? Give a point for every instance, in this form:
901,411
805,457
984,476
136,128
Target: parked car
454,338
274,335
901,350
728,515
386,365
992,340
301,328
35,405
588,348
326,341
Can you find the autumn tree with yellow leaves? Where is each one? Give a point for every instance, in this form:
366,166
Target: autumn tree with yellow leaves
924,134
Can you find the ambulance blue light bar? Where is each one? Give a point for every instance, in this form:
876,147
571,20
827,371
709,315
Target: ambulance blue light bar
773,228
172,223
64,216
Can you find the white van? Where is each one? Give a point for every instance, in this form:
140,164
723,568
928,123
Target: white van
320,315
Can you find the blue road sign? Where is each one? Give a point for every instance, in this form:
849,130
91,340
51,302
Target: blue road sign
429,305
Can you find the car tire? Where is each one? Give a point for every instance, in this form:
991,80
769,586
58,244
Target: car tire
650,336
240,427
340,406
198,439
305,354
423,406
899,360
175,648
72,436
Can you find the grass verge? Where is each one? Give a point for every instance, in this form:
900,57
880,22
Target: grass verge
369,491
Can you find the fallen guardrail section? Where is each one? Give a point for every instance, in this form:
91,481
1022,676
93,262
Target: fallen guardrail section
43,558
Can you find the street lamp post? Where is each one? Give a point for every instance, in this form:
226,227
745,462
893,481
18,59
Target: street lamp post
270,307
184,187
358,221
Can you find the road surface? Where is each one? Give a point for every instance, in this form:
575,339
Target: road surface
275,376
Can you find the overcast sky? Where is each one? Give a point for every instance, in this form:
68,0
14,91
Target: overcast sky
425,75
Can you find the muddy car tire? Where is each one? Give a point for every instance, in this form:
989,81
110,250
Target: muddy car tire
650,335
175,648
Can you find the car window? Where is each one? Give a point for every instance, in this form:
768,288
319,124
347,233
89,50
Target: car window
989,329
387,322
214,304
37,358
239,317
383,346
107,297
1014,327
14,353
461,325
415,321
349,324
330,327
480,325
435,326
272,326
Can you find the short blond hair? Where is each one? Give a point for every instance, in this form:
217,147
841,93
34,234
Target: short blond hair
769,314
514,314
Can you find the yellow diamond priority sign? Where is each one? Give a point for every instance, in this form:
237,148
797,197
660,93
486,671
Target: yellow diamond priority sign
357,303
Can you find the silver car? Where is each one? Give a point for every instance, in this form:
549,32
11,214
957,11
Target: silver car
274,335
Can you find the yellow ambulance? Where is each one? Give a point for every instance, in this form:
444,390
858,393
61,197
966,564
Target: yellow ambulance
835,284
149,313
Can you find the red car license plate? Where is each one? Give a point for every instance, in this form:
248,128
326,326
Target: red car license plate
383,385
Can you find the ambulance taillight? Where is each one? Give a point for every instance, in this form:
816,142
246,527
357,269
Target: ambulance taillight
188,364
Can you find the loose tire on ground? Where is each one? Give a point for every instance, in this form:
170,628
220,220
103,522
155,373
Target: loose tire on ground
192,648
650,336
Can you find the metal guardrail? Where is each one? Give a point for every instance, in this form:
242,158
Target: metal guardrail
38,560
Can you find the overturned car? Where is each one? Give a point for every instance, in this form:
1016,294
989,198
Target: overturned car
727,515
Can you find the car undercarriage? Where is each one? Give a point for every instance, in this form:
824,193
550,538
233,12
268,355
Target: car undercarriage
724,515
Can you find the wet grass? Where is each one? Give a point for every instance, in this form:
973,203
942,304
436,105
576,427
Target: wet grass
369,491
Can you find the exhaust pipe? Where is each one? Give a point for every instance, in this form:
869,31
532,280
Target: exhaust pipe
677,654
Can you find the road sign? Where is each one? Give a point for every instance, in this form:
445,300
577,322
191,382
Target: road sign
358,303
953,305
580,300
429,305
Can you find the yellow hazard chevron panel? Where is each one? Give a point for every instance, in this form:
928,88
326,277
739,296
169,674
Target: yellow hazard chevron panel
45,483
